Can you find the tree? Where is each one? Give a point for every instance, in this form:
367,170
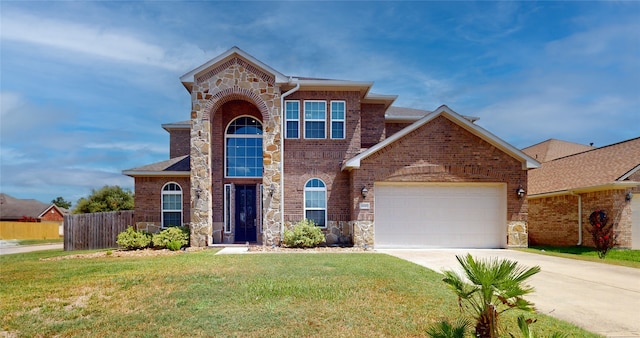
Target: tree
496,286
61,202
109,198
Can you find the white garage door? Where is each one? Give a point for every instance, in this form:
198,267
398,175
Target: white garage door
440,216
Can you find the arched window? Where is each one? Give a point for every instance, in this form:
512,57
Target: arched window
315,201
171,205
243,148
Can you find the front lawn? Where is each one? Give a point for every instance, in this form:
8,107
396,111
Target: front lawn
250,295
624,257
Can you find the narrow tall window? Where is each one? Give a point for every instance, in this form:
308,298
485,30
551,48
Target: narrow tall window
171,205
315,119
227,208
337,119
315,202
243,148
292,119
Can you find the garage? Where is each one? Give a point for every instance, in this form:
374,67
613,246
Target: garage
469,215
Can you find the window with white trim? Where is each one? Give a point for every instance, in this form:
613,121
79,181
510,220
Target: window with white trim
315,119
243,150
337,119
315,202
171,205
292,119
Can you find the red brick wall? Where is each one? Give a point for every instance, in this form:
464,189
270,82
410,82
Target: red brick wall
373,127
440,151
306,159
554,220
394,127
52,215
148,194
179,142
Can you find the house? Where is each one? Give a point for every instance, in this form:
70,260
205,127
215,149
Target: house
565,190
263,150
14,209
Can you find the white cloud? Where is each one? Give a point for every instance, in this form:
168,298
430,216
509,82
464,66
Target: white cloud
110,43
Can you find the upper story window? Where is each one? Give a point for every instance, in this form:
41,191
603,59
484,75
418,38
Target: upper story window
243,150
315,202
315,117
171,205
292,119
337,119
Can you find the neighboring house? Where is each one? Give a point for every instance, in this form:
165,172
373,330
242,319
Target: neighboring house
14,209
263,150
564,191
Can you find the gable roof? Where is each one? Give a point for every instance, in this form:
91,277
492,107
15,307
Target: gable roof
177,166
527,162
189,78
307,83
12,208
605,167
552,149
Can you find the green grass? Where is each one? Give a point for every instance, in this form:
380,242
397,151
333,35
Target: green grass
252,295
623,257
40,241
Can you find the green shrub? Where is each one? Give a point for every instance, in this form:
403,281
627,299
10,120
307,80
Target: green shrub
305,234
172,238
174,245
133,240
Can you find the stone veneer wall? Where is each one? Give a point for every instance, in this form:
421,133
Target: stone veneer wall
234,79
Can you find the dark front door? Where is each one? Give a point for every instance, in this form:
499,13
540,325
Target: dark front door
245,213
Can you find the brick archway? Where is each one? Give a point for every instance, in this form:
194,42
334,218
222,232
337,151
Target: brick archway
235,93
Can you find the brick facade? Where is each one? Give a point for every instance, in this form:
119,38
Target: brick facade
148,198
440,151
179,142
234,86
52,215
554,220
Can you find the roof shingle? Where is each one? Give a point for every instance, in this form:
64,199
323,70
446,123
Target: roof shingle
596,167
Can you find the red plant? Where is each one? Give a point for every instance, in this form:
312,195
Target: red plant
27,219
603,236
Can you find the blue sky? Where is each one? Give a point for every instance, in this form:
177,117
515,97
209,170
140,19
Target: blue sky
85,86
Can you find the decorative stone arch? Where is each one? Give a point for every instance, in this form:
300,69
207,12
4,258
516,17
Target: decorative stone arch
231,94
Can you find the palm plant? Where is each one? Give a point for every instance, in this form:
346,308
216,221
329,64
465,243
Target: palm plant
444,329
497,285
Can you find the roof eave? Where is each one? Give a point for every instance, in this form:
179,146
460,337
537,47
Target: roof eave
142,173
581,190
173,126
527,162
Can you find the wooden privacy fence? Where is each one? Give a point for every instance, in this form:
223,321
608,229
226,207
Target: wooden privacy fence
96,230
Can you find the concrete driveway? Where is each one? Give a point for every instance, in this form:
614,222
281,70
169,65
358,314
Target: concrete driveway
601,298
7,250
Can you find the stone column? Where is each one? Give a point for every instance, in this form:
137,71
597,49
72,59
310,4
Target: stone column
272,158
201,204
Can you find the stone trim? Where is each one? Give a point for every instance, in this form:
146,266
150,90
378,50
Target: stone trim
236,61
